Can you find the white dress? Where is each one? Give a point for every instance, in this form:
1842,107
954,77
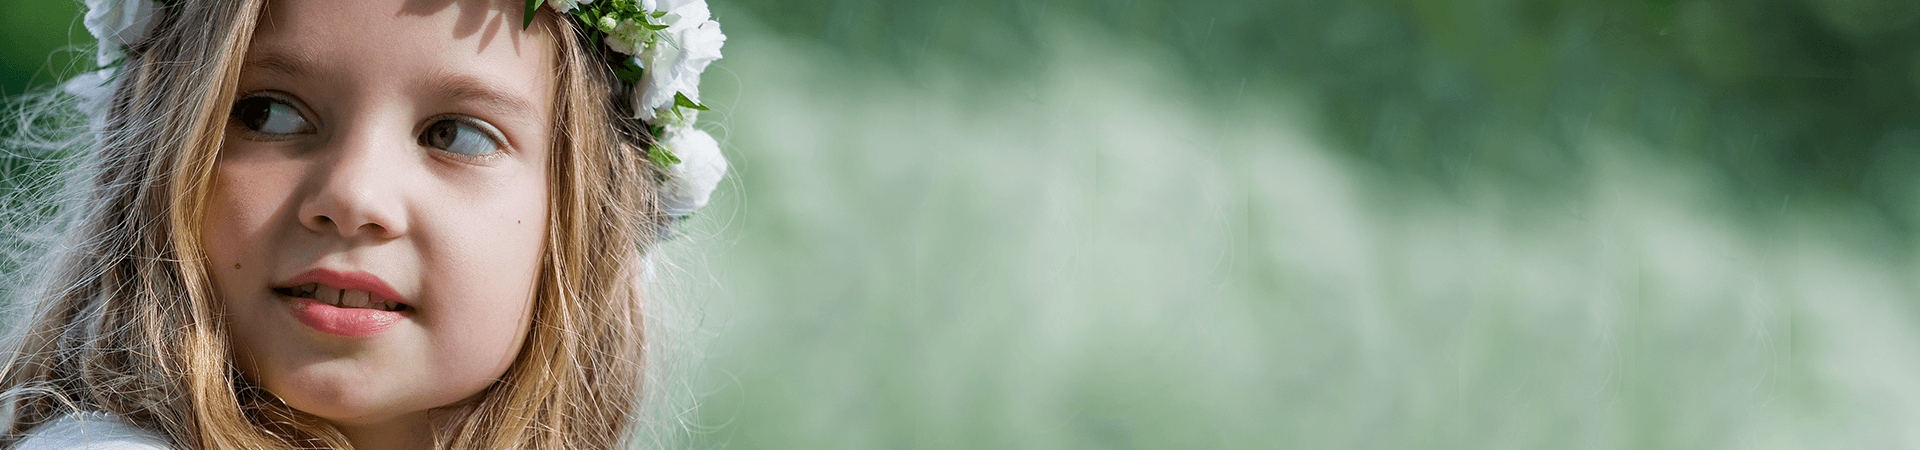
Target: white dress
92,431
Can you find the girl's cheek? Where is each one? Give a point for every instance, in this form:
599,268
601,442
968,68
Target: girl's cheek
238,229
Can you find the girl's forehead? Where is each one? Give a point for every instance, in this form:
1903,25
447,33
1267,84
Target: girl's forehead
448,30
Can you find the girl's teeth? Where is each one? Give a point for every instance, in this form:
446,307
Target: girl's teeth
343,298
354,299
327,295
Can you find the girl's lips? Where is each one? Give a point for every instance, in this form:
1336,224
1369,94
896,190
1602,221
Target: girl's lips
349,280
347,322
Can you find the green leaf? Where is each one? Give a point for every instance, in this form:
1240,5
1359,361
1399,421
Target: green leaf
117,62
661,157
628,72
680,99
533,6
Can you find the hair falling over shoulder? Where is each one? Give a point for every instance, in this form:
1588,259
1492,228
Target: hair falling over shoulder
127,324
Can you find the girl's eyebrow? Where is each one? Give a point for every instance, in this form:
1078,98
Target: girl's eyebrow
467,89
288,64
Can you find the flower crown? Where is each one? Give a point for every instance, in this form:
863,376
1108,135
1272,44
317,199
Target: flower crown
663,46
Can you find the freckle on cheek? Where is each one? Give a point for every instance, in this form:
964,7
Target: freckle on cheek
236,266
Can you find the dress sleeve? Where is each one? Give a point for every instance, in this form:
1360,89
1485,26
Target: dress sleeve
92,431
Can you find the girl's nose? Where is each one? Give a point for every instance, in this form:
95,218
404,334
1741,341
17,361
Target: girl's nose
360,188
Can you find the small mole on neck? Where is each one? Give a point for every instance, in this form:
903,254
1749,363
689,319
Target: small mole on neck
236,266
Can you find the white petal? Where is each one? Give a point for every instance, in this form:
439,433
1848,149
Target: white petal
695,10
93,89
120,22
107,53
702,43
640,109
700,170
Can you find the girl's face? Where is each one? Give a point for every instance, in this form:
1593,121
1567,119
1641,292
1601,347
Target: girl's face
381,204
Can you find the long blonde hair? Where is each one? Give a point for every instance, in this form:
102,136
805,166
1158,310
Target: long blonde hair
130,325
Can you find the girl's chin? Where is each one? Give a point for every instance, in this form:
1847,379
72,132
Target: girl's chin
351,404
358,417
338,401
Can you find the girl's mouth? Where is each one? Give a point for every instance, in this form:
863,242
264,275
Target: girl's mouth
341,298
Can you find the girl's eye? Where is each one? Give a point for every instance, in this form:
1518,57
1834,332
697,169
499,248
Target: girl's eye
461,136
270,114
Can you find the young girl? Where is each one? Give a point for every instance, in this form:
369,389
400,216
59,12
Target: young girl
374,224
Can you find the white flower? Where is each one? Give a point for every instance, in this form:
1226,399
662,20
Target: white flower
700,169
566,5
674,63
669,5
626,36
93,89
119,23
107,54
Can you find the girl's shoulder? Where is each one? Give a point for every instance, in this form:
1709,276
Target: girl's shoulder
92,431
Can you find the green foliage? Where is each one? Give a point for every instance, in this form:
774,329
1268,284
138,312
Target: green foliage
681,100
532,9
661,156
32,32
628,70
1793,98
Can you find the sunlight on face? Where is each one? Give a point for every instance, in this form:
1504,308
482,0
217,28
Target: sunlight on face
381,204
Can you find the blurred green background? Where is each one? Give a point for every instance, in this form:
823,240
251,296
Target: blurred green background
1151,224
